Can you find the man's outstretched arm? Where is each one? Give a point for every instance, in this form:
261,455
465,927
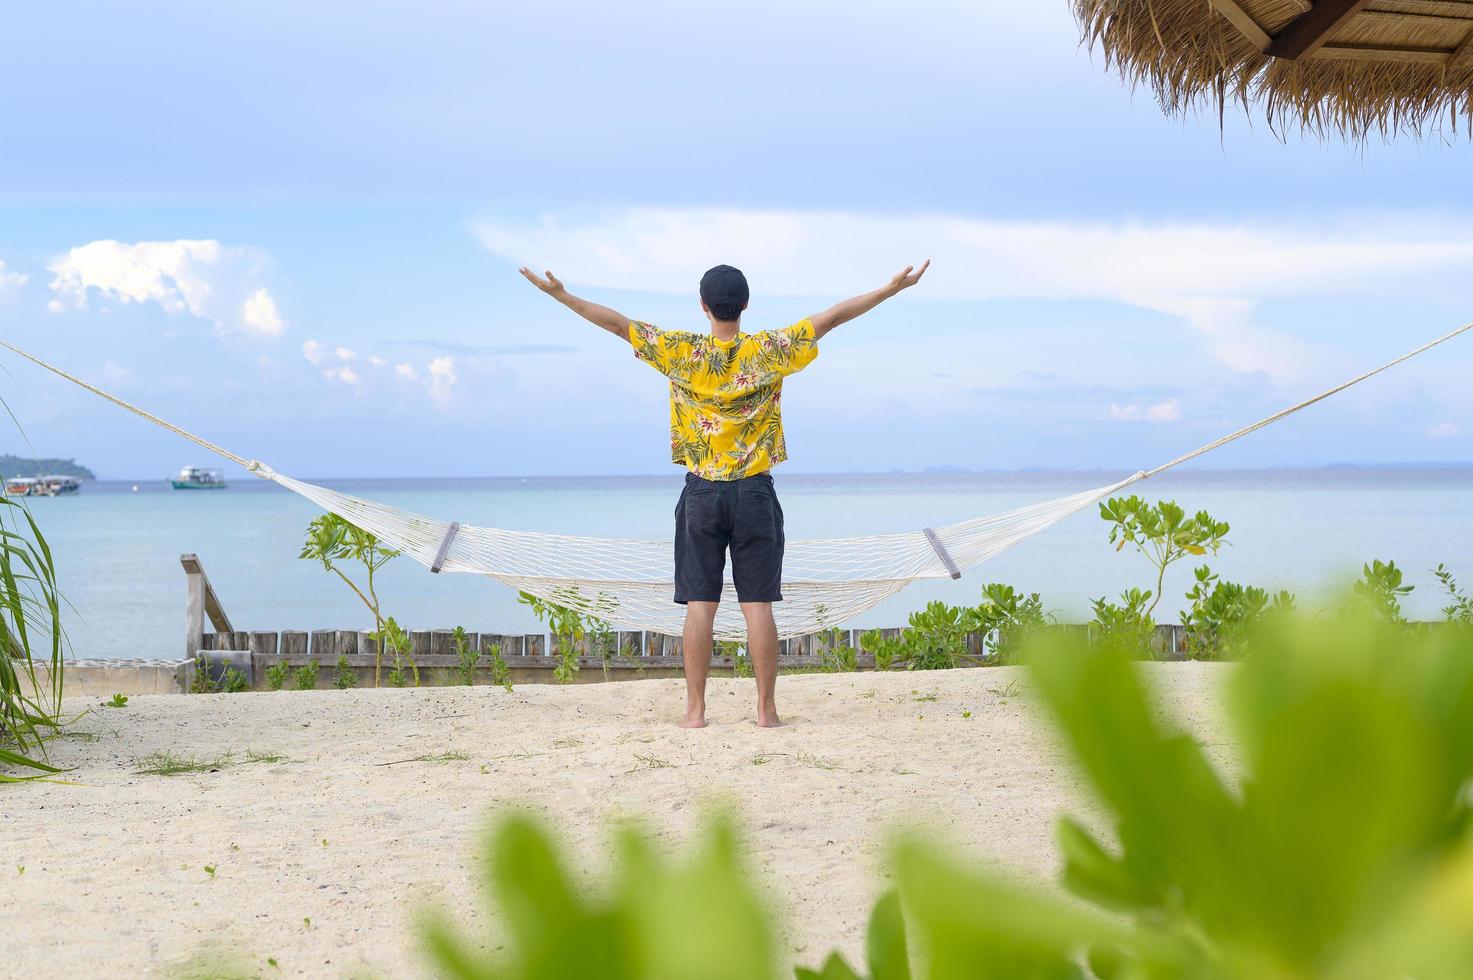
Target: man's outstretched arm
613,321
859,305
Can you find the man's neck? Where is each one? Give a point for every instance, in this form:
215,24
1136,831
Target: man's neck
725,329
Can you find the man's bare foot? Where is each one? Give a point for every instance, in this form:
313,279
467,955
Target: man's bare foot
694,718
768,719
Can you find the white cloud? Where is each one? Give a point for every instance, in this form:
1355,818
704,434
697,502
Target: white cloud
344,374
346,354
258,313
376,361
1443,430
203,278
314,352
11,280
1167,411
1211,276
442,380
406,371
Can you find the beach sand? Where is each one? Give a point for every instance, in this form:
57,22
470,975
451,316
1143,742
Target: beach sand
114,881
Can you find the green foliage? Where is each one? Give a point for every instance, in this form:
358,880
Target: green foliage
699,919
231,680
741,664
885,946
1380,591
466,657
1008,619
835,654
331,541
935,640
497,667
570,623
394,639
117,701
344,676
1126,625
1162,532
278,674
304,678
1460,608
1345,851
1223,615
30,633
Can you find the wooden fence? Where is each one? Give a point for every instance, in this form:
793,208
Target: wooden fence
433,649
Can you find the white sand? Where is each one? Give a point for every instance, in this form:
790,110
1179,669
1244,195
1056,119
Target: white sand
114,882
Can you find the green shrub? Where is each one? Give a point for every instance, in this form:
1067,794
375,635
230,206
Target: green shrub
466,657
330,541
305,677
1126,625
570,624
1008,619
277,675
497,667
1460,609
1163,533
344,676
394,639
700,918
1380,591
1223,615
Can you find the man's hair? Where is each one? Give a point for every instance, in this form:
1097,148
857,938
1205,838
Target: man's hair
724,291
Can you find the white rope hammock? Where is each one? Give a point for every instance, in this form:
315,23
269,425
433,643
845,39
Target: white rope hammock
628,583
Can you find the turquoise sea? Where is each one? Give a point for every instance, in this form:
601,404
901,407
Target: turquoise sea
117,549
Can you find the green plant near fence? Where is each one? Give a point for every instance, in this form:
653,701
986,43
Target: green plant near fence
331,541
1223,615
343,675
1341,845
466,656
570,624
1163,533
30,634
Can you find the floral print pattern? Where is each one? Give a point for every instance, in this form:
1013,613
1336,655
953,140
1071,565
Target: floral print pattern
726,396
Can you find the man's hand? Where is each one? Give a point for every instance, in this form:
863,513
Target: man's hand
552,285
859,305
613,321
903,279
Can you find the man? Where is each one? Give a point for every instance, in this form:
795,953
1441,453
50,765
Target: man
726,429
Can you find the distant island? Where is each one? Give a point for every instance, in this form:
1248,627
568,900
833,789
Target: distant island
22,466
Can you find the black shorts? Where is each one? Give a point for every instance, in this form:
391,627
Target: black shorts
742,515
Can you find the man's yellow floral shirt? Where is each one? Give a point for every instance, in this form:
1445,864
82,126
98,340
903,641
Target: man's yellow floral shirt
726,396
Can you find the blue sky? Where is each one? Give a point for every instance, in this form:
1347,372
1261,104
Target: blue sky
295,231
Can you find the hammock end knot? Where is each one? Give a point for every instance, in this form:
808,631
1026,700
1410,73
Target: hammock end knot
261,469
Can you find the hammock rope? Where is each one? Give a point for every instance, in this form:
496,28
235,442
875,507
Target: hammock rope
628,583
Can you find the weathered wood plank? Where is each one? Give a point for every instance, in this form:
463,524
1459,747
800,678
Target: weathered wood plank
293,643
264,644
421,643
631,643
509,644
532,645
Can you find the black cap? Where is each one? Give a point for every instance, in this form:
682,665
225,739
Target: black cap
724,291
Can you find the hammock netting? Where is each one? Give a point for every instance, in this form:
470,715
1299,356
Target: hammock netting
630,584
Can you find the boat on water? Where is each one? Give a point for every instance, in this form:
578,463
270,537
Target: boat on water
42,486
197,478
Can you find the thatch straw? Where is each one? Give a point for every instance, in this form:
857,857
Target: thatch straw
1365,80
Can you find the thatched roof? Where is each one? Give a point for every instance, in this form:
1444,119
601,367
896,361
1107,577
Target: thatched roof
1348,67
